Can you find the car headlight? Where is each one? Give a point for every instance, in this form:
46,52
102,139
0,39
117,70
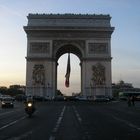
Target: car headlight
29,104
3,103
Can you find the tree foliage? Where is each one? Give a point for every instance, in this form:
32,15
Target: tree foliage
59,93
13,90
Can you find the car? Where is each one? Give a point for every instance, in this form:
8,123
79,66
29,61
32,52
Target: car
20,97
81,98
101,98
7,102
38,98
137,98
1,96
59,98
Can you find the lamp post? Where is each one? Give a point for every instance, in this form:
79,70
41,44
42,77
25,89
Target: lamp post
91,88
48,92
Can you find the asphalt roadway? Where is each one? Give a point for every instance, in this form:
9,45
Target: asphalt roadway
63,120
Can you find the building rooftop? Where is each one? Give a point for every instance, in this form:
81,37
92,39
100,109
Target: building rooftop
68,15
69,20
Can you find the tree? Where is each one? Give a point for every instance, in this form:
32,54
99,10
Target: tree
121,82
12,90
59,93
3,90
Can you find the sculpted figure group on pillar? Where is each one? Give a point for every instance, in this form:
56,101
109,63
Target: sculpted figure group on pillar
98,76
38,75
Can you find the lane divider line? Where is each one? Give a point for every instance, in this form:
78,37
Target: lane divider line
59,120
126,122
85,133
2,114
52,138
77,115
27,136
9,124
58,123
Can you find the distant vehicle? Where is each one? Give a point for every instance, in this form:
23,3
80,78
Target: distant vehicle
59,98
101,98
20,97
137,98
81,98
38,98
1,96
124,95
7,102
29,106
70,98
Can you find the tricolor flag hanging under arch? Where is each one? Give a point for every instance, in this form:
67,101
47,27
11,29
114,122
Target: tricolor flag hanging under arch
67,76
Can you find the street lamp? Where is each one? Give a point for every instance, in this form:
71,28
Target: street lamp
91,87
48,92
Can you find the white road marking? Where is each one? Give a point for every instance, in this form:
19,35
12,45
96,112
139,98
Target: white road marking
6,113
59,120
58,123
9,124
127,123
52,138
24,136
77,114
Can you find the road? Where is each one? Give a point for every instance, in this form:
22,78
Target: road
71,121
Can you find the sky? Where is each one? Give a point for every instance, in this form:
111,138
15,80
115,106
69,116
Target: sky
125,39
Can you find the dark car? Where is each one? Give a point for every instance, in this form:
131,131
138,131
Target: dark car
101,98
7,102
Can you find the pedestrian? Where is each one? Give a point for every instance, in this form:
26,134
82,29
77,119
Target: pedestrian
133,100
129,101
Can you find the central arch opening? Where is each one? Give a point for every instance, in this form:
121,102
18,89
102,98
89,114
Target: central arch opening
75,75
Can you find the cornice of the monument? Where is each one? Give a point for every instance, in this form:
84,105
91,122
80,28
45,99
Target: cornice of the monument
68,15
67,21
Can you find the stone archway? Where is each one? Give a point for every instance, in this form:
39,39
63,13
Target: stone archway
68,47
51,35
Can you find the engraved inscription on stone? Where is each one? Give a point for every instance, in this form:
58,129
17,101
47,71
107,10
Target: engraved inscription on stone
97,48
39,47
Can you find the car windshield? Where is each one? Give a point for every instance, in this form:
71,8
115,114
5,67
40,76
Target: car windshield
7,99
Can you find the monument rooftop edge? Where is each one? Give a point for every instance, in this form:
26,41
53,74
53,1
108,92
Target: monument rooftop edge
69,20
68,15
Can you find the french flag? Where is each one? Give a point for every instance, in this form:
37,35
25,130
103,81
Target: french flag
67,76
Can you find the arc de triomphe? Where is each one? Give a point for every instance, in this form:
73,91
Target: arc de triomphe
51,35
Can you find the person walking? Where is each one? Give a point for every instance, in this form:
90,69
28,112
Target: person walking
133,100
129,101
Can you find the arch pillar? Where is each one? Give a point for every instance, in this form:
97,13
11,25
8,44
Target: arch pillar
98,81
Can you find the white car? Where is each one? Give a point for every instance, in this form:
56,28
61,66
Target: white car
7,102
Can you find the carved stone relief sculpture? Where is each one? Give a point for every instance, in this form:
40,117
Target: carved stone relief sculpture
38,75
98,76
